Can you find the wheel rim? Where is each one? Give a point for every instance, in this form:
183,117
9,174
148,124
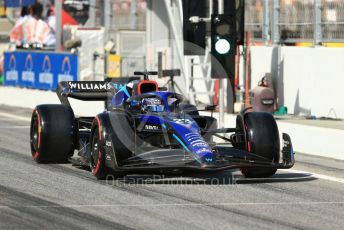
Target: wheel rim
95,149
35,134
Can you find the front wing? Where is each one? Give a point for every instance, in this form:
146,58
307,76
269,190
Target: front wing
225,158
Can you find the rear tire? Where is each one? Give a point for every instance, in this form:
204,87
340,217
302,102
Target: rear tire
262,138
52,133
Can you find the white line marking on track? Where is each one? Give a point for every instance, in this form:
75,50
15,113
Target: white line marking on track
279,179
175,204
15,117
5,119
316,175
15,127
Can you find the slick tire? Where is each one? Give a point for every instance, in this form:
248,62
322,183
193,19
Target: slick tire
98,156
262,138
112,127
52,133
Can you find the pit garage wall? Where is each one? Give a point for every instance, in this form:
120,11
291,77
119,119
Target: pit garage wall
309,81
160,38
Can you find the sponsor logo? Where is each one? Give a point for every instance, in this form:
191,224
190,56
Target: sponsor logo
195,140
208,159
184,122
151,127
267,101
12,73
46,77
28,75
65,69
118,86
202,150
89,86
198,143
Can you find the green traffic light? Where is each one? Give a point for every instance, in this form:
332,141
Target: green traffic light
222,46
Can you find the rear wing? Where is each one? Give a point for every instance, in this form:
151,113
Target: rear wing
91,90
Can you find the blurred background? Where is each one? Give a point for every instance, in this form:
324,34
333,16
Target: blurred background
293,47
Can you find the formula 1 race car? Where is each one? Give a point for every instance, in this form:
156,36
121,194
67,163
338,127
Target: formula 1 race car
146,129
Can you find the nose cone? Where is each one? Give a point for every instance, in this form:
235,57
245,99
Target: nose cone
188,135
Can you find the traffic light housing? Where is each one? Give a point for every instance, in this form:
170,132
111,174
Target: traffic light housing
223,45
194,34
240,20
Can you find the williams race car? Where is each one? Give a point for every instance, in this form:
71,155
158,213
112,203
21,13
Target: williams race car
146,129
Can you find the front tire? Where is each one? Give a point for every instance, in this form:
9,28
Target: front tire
52,133
261,138
97,161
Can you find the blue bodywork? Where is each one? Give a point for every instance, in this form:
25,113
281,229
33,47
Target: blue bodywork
185,130
145,129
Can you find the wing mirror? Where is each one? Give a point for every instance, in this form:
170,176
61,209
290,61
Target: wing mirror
162,89
210,108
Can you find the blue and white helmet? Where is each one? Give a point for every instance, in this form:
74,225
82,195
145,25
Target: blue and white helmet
152,105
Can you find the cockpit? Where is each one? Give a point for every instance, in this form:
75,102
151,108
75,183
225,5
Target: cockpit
157,102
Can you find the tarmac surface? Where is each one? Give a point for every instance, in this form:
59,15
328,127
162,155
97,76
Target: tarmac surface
62,196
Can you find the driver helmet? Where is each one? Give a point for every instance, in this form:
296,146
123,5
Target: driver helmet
152,105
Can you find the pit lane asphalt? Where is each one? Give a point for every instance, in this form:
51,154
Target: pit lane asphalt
62,196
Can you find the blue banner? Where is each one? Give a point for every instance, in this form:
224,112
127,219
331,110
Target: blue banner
19,3
39,70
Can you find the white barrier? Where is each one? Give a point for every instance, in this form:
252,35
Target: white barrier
309,81
29,98
317,141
